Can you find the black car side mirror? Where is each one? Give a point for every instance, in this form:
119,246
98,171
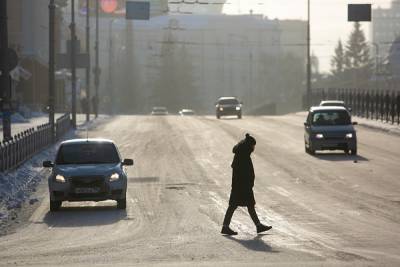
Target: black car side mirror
48,164
306,124
355,123
127,162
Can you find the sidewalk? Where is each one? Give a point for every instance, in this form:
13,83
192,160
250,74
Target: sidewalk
378,125
22,126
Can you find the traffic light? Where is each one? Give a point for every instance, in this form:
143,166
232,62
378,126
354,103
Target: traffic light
108,8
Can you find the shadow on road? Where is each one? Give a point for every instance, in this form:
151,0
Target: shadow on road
255,244
84,216
144,180
229,118
330,156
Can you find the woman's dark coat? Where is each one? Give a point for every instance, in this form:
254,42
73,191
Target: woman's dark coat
242,176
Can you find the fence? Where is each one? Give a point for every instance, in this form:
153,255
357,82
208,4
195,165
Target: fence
25,144
370,104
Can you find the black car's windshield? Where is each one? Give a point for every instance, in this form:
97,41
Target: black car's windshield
99,153
228,102
331,117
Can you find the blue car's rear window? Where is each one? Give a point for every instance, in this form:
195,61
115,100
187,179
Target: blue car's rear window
331,117
99,153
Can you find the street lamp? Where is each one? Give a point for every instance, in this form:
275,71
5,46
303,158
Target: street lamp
308,56
52,8
110,57
376,63
88,67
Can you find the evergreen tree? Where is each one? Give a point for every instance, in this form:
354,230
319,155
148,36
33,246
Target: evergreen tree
357,58
338,61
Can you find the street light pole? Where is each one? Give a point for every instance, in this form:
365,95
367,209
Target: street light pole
308,56
376,57
376,63
88,66
73,65
4,78
52,8
110,76
97,69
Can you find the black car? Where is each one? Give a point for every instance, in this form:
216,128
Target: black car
228,106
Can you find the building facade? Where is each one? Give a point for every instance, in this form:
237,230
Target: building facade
248,56
210,7
28,26
385,27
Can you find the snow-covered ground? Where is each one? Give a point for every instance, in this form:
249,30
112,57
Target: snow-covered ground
17,187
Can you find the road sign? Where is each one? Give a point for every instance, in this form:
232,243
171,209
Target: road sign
359,12
137,10
109,6
64,61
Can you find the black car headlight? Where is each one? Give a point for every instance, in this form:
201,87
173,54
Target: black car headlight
114,177
60,179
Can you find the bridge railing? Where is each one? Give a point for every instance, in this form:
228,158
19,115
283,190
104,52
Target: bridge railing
370,104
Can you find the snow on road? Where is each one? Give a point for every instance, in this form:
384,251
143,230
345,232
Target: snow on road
327,209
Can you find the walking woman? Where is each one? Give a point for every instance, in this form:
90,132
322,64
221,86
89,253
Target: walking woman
242,185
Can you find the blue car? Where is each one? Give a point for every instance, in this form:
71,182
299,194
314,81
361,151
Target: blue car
87,170
330,128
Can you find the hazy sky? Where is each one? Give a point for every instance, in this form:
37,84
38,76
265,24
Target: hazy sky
328,19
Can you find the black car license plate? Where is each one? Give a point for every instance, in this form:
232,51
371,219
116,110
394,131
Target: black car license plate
87,190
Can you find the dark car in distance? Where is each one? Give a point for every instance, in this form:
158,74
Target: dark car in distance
159,111
330,128
228,106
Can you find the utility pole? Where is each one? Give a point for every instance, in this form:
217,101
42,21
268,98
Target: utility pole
73,65
97,69
88,67
308,56
52,8
110,60
4,68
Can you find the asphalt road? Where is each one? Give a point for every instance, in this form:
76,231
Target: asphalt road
328,209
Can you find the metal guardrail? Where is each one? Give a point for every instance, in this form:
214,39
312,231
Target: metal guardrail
370,104
25,144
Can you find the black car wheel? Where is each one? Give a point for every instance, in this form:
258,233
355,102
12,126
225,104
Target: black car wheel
55,205
309,149
218,116
239,116
354,151
121,204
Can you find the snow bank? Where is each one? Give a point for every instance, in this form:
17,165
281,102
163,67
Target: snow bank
17,186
